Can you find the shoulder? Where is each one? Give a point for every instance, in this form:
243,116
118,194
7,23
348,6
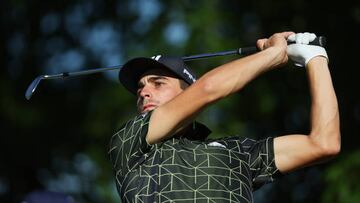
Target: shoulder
131,128
130,138
136,121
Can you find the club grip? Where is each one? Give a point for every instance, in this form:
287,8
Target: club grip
318,41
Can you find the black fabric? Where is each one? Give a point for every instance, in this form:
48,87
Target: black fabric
184,170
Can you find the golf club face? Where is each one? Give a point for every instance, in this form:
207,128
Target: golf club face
32,87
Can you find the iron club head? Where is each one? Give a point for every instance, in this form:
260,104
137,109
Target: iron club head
32,87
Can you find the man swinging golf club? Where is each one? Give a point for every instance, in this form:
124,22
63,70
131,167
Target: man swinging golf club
163,154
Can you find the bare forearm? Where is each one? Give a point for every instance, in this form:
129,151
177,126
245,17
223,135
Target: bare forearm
325,127
323,142
233,76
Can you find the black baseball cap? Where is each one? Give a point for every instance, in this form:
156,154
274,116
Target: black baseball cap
132,70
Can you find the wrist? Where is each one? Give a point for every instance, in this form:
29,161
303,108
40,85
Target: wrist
317,61
277,56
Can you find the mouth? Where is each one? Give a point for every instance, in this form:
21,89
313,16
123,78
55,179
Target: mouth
148,107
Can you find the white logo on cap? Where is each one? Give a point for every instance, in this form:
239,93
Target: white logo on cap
157,57
189,75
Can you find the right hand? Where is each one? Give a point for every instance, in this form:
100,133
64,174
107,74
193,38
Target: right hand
278,43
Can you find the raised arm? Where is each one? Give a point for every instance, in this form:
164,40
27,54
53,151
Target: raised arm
214,85
323,142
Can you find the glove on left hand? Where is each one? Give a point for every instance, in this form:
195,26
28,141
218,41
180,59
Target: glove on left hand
301,52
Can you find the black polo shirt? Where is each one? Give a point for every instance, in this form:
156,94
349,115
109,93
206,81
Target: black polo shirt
185,170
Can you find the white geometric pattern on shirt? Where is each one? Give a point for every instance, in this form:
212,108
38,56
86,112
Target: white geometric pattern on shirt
183,170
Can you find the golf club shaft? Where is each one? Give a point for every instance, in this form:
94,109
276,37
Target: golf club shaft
319,41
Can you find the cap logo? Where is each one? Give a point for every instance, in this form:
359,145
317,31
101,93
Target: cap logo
189,75
156,58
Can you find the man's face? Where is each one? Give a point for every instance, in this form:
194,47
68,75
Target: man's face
155,88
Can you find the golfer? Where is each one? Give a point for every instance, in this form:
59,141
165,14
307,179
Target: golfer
163,154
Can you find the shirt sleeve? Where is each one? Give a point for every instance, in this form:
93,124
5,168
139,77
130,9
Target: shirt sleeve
128,145
261,160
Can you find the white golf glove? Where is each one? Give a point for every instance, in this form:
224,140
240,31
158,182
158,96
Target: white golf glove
301,52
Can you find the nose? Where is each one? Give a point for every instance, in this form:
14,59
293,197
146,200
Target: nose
145,92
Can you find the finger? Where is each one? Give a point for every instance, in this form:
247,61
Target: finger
287,34
299,38
306,38
291,38
261,43
312,37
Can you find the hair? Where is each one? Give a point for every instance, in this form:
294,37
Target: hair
183,84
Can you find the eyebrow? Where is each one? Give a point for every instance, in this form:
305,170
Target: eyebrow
153,78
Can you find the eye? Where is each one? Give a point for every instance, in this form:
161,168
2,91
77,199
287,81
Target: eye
158,83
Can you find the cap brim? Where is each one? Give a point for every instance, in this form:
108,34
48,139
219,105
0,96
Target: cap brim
131,72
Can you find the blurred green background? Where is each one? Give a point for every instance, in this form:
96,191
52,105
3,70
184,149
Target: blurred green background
58,140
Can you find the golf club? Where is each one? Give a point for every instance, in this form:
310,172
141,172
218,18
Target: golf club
319,41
